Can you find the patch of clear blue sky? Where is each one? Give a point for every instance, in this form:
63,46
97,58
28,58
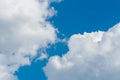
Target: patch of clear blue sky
75,16
78,16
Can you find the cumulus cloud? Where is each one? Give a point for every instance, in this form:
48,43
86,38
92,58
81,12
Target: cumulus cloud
91,56
23,30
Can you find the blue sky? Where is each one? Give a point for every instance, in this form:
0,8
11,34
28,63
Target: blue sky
86,15
73,17
25,30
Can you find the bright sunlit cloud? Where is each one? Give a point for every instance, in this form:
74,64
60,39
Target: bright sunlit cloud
91,56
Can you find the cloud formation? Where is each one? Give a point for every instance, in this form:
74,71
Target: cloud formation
91,56
23,30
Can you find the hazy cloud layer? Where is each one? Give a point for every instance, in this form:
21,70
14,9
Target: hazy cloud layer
91,56
23,30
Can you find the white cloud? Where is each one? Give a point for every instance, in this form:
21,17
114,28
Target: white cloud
23,30
43,56
91,56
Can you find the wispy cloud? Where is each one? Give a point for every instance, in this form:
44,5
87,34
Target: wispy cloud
23,30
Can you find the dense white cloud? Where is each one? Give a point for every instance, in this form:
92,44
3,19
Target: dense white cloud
23,30
91,56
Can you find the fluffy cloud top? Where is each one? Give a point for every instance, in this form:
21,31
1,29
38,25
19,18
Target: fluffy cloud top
91,56
23,30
